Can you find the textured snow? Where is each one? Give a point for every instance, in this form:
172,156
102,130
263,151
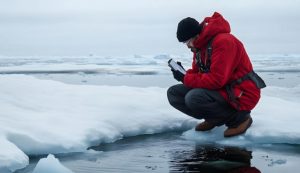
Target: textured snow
44,116
50,165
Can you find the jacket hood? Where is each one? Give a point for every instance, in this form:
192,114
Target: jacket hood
212,26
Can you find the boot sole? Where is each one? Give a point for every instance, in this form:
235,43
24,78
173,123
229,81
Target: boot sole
248,125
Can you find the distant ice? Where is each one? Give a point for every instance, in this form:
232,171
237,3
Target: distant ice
290,93
276,63
137,64
50,165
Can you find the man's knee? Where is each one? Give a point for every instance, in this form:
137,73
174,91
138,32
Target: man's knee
172,93
176,90
176,93
197,97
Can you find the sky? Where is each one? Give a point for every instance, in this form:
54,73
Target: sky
147,27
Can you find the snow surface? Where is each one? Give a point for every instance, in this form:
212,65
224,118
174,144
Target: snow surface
44,116
50,165
11,157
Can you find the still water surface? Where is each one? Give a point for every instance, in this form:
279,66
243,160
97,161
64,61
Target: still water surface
168,152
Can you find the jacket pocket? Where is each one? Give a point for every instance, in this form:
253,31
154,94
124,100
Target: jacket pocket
237,91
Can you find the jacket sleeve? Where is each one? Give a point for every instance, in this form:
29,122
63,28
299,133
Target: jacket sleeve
223,64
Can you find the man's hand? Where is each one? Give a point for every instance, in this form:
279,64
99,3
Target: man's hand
178,75
179,63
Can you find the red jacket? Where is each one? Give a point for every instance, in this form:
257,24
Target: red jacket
229,61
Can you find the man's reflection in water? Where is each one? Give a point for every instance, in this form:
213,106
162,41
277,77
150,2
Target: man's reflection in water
213,160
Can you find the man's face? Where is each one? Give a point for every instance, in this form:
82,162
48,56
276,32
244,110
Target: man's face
190,43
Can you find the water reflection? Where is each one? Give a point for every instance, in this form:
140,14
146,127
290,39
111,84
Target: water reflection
208,159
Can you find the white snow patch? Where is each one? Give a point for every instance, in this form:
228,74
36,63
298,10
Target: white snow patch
50,165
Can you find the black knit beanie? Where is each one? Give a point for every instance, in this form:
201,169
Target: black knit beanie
188,28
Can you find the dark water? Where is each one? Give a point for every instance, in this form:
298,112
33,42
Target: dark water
168,152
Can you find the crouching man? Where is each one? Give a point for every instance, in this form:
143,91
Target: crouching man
221,87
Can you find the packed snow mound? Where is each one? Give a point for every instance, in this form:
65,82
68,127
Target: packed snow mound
50,165
11,157
44,116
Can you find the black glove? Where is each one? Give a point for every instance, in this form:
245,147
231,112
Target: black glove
178,75
179,63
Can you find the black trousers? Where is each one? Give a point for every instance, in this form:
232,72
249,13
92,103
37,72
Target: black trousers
205,104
